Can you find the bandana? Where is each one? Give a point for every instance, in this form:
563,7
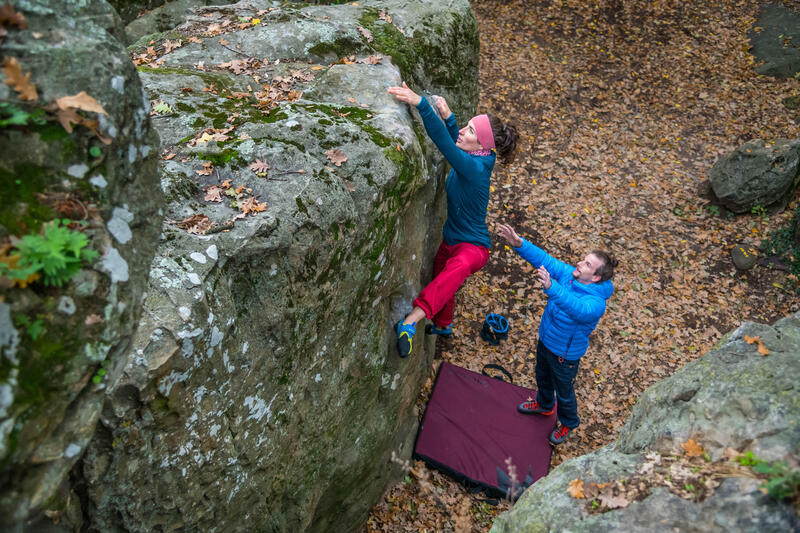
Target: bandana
480,152
484,131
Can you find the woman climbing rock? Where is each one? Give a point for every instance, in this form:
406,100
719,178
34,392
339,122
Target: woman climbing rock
465,245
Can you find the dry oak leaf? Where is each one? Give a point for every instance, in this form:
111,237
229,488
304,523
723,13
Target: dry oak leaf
226,184
366,33
213,193
19,81
195,39
196,224
575,488
259,167
208,168
763,350
251,205
168,156
692,448
336,157
613,502
8,17
81,101
93,319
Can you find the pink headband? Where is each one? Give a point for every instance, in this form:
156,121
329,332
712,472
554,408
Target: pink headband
484,131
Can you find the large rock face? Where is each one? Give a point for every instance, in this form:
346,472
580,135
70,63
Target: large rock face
60,346
263,391
732,397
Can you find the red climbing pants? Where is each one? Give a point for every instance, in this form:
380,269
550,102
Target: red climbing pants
451,266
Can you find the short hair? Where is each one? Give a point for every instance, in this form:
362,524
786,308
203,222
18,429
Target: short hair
606,270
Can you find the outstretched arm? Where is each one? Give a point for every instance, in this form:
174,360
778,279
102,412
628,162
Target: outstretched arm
462,162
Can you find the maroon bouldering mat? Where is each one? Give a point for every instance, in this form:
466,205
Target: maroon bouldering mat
471,428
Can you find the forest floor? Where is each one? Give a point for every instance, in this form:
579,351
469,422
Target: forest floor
623,108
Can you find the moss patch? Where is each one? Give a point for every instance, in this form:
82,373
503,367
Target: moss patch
22,212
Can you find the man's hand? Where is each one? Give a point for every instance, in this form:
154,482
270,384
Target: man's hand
544,277
404,94
444,109
508,233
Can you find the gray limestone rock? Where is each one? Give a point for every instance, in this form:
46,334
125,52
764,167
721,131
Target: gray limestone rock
776,42
731,397
55,339
757,174
263,391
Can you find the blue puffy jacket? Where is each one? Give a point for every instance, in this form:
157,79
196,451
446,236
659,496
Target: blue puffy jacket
573,309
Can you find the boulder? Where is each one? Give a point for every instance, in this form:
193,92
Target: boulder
130,9
774,39
731,397
757,174
155,24
64,337
263,391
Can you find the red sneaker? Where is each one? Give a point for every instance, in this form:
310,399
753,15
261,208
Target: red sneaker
559,435
533,408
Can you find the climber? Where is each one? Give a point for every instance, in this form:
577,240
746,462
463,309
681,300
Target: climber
465,247
576,300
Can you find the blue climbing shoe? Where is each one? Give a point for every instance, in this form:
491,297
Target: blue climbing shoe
445,332
405,338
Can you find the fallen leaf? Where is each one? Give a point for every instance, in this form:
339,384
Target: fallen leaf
761,348
349,186
351,100
8,17
169,46
81,101
226,184
575,488
19,81
92,319
259,167
195,39
692,448
251,205
168,156
195,224
613,502
336,157
366,33
213,193
207,169
223,42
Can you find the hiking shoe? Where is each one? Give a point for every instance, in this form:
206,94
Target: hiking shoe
533,408
559,435
445,332
405,338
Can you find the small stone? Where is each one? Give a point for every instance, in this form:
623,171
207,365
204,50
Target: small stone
744,256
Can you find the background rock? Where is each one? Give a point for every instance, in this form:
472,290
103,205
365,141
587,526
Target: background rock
263,390
776,42
49,404
757,174
731,397
156,22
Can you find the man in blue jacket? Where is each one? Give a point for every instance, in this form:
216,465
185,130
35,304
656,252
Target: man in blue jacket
576,300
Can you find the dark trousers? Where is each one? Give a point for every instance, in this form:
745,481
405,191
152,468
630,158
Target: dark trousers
554,381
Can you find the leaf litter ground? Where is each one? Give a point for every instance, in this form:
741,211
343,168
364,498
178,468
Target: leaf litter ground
623,107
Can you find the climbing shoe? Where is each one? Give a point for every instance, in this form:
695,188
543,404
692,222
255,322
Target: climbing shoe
533,408
444,332
405,338
559,435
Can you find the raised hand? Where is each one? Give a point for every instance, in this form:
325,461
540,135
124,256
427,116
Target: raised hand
404,94
508,233
544,277
444,109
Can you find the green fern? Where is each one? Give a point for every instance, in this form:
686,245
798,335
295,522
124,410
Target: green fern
56,256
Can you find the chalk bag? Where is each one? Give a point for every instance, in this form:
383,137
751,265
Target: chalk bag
495,329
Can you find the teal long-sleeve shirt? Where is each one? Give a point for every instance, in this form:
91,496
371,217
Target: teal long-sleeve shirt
467,183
